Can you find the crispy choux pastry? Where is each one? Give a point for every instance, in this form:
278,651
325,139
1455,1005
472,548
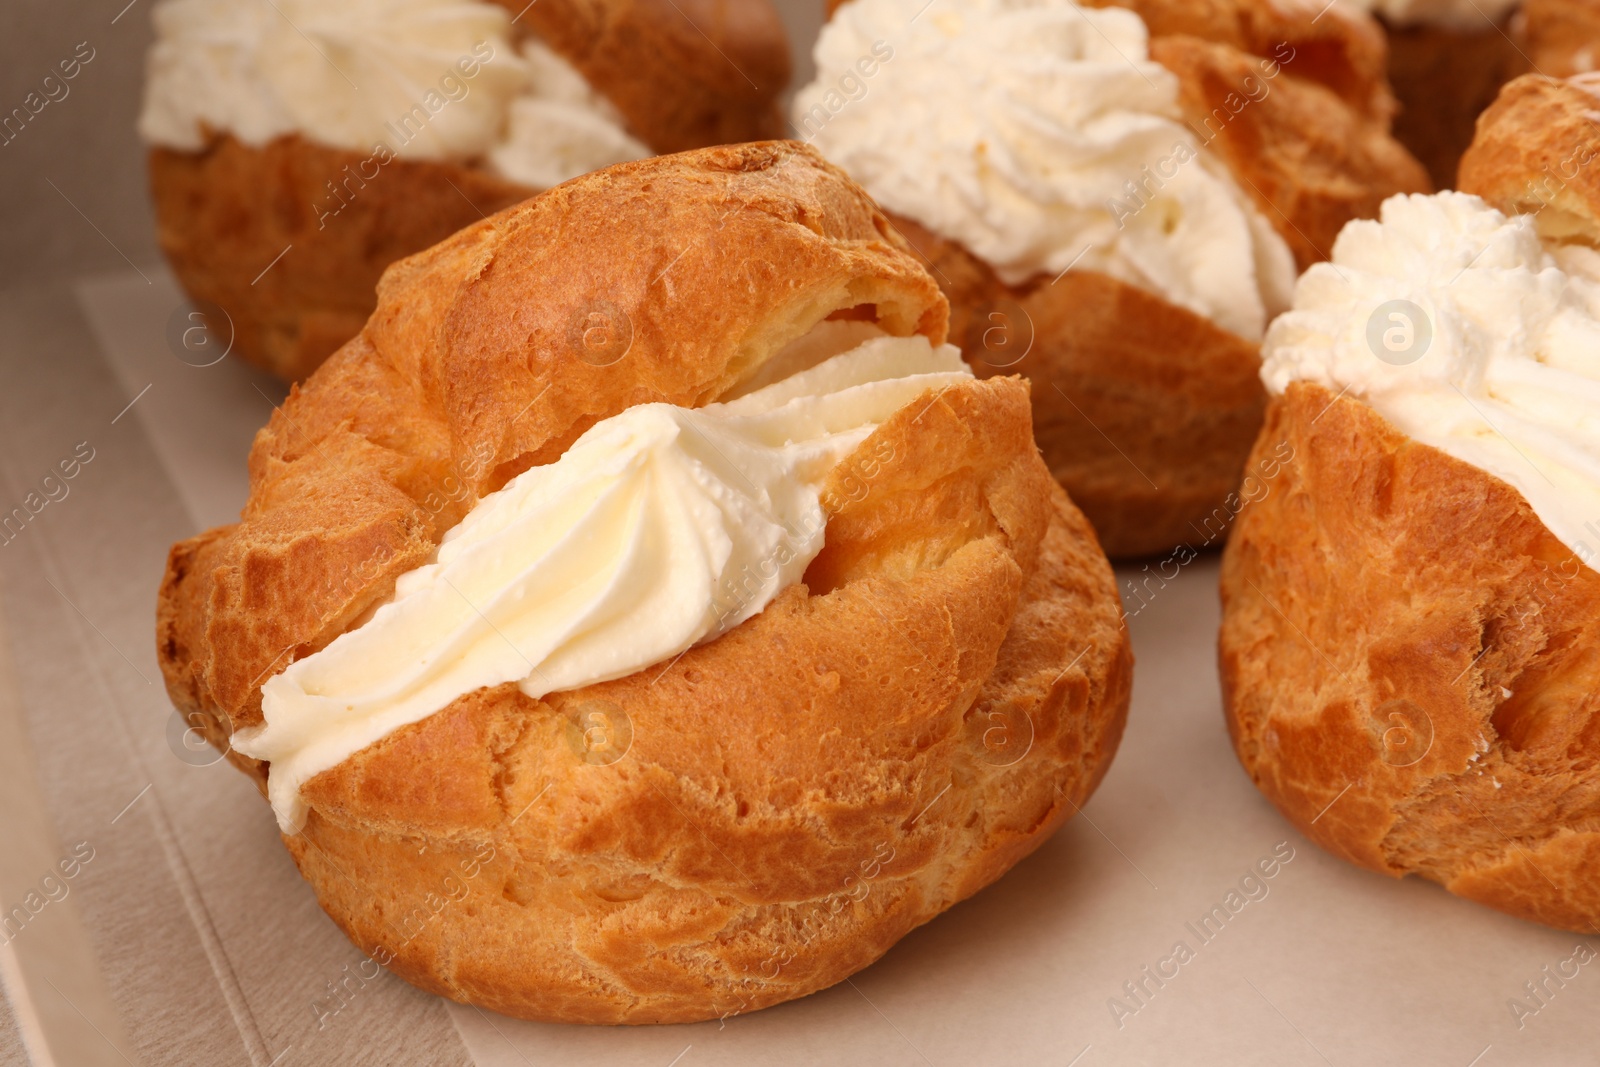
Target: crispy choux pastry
283,212
771,809
1410,647
1551,176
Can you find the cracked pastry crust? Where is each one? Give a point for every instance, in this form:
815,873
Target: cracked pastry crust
947,686
1535,154
225,212
1145,411
1411,665
1148,445
1410,658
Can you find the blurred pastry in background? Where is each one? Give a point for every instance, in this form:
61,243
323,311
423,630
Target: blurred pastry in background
1563,36
1116,207
297,147
1449,58
1410,646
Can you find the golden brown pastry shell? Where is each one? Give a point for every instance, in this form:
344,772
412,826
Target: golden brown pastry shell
766,835
1341,49
948,686
1411,664
1143,410
226,214
1536,153
1309,161
684,74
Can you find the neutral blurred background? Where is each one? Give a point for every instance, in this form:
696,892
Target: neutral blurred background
73,198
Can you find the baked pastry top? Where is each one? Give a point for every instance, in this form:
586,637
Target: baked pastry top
1534,154
772,810
1344,53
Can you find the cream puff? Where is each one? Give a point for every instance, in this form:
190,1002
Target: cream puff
649,617
297,147
1115,208
1410,647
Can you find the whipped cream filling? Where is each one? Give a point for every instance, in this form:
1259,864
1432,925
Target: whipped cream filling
1479,15
617,556
1041,136
427,79
1464,330
560,127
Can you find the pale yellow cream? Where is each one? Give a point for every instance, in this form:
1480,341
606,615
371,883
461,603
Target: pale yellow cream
613,558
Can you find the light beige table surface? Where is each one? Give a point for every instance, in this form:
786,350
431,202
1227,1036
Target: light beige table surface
189,937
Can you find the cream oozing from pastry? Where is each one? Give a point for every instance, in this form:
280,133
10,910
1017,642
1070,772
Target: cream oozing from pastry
427,79
1041,136
1499,367
1478,15
660,528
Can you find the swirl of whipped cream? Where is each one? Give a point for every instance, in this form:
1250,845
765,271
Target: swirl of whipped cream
1495,357
1456,14
430,79
618,555
358,72
349,74
1041,136
202,72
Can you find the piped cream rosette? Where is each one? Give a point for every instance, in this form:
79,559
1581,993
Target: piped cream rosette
617,556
